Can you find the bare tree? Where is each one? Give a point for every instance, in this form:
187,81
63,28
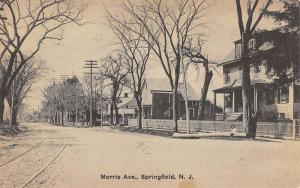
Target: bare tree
137,52
114,70
23,82
246,33
45,19
166,28
195,55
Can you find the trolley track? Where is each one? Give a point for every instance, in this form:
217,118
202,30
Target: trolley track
21,154
22,169
46,166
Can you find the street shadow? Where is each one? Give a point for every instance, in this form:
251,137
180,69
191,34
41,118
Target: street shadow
163,133
169,134
240,138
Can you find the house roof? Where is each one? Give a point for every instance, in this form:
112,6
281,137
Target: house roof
230,58
191,93
163,85
126,101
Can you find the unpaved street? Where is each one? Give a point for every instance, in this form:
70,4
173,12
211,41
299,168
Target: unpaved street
92,152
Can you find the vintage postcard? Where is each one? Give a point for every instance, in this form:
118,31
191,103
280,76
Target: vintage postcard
149,93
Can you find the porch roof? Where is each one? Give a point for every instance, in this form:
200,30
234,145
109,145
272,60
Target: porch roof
229,88
237,84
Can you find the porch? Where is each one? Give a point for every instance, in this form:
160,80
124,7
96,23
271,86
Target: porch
233,102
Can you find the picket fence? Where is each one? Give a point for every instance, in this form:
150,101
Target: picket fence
277,129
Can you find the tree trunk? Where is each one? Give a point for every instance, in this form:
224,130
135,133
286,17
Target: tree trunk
87,117
14,118
140,117
56,117
62,117
2,98
208,77
246,89
186,106
117,113
174,106
112,114
140,114
138,99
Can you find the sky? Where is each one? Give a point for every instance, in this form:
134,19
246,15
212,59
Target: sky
94,41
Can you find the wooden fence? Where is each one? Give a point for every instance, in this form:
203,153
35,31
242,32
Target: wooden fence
276,129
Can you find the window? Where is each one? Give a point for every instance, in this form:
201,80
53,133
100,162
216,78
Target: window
270,97
191,113
126,95
251,44
238,50
226,76
283,94
228,101
194,103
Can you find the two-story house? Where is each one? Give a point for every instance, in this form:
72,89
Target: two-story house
272,100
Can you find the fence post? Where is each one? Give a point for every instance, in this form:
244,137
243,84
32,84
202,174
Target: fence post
294,129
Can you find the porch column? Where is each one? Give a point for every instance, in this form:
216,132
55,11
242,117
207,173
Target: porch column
224,103
293,101
254,98
214,106
233,101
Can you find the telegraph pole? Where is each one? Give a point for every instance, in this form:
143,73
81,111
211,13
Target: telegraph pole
90,65
101,102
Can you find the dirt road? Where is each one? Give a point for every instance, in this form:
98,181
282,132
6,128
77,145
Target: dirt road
102,157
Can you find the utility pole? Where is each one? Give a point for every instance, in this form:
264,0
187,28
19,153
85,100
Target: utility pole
76,101
90,65
101,102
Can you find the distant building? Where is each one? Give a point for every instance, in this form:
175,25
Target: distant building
270,99
126,109
157,101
